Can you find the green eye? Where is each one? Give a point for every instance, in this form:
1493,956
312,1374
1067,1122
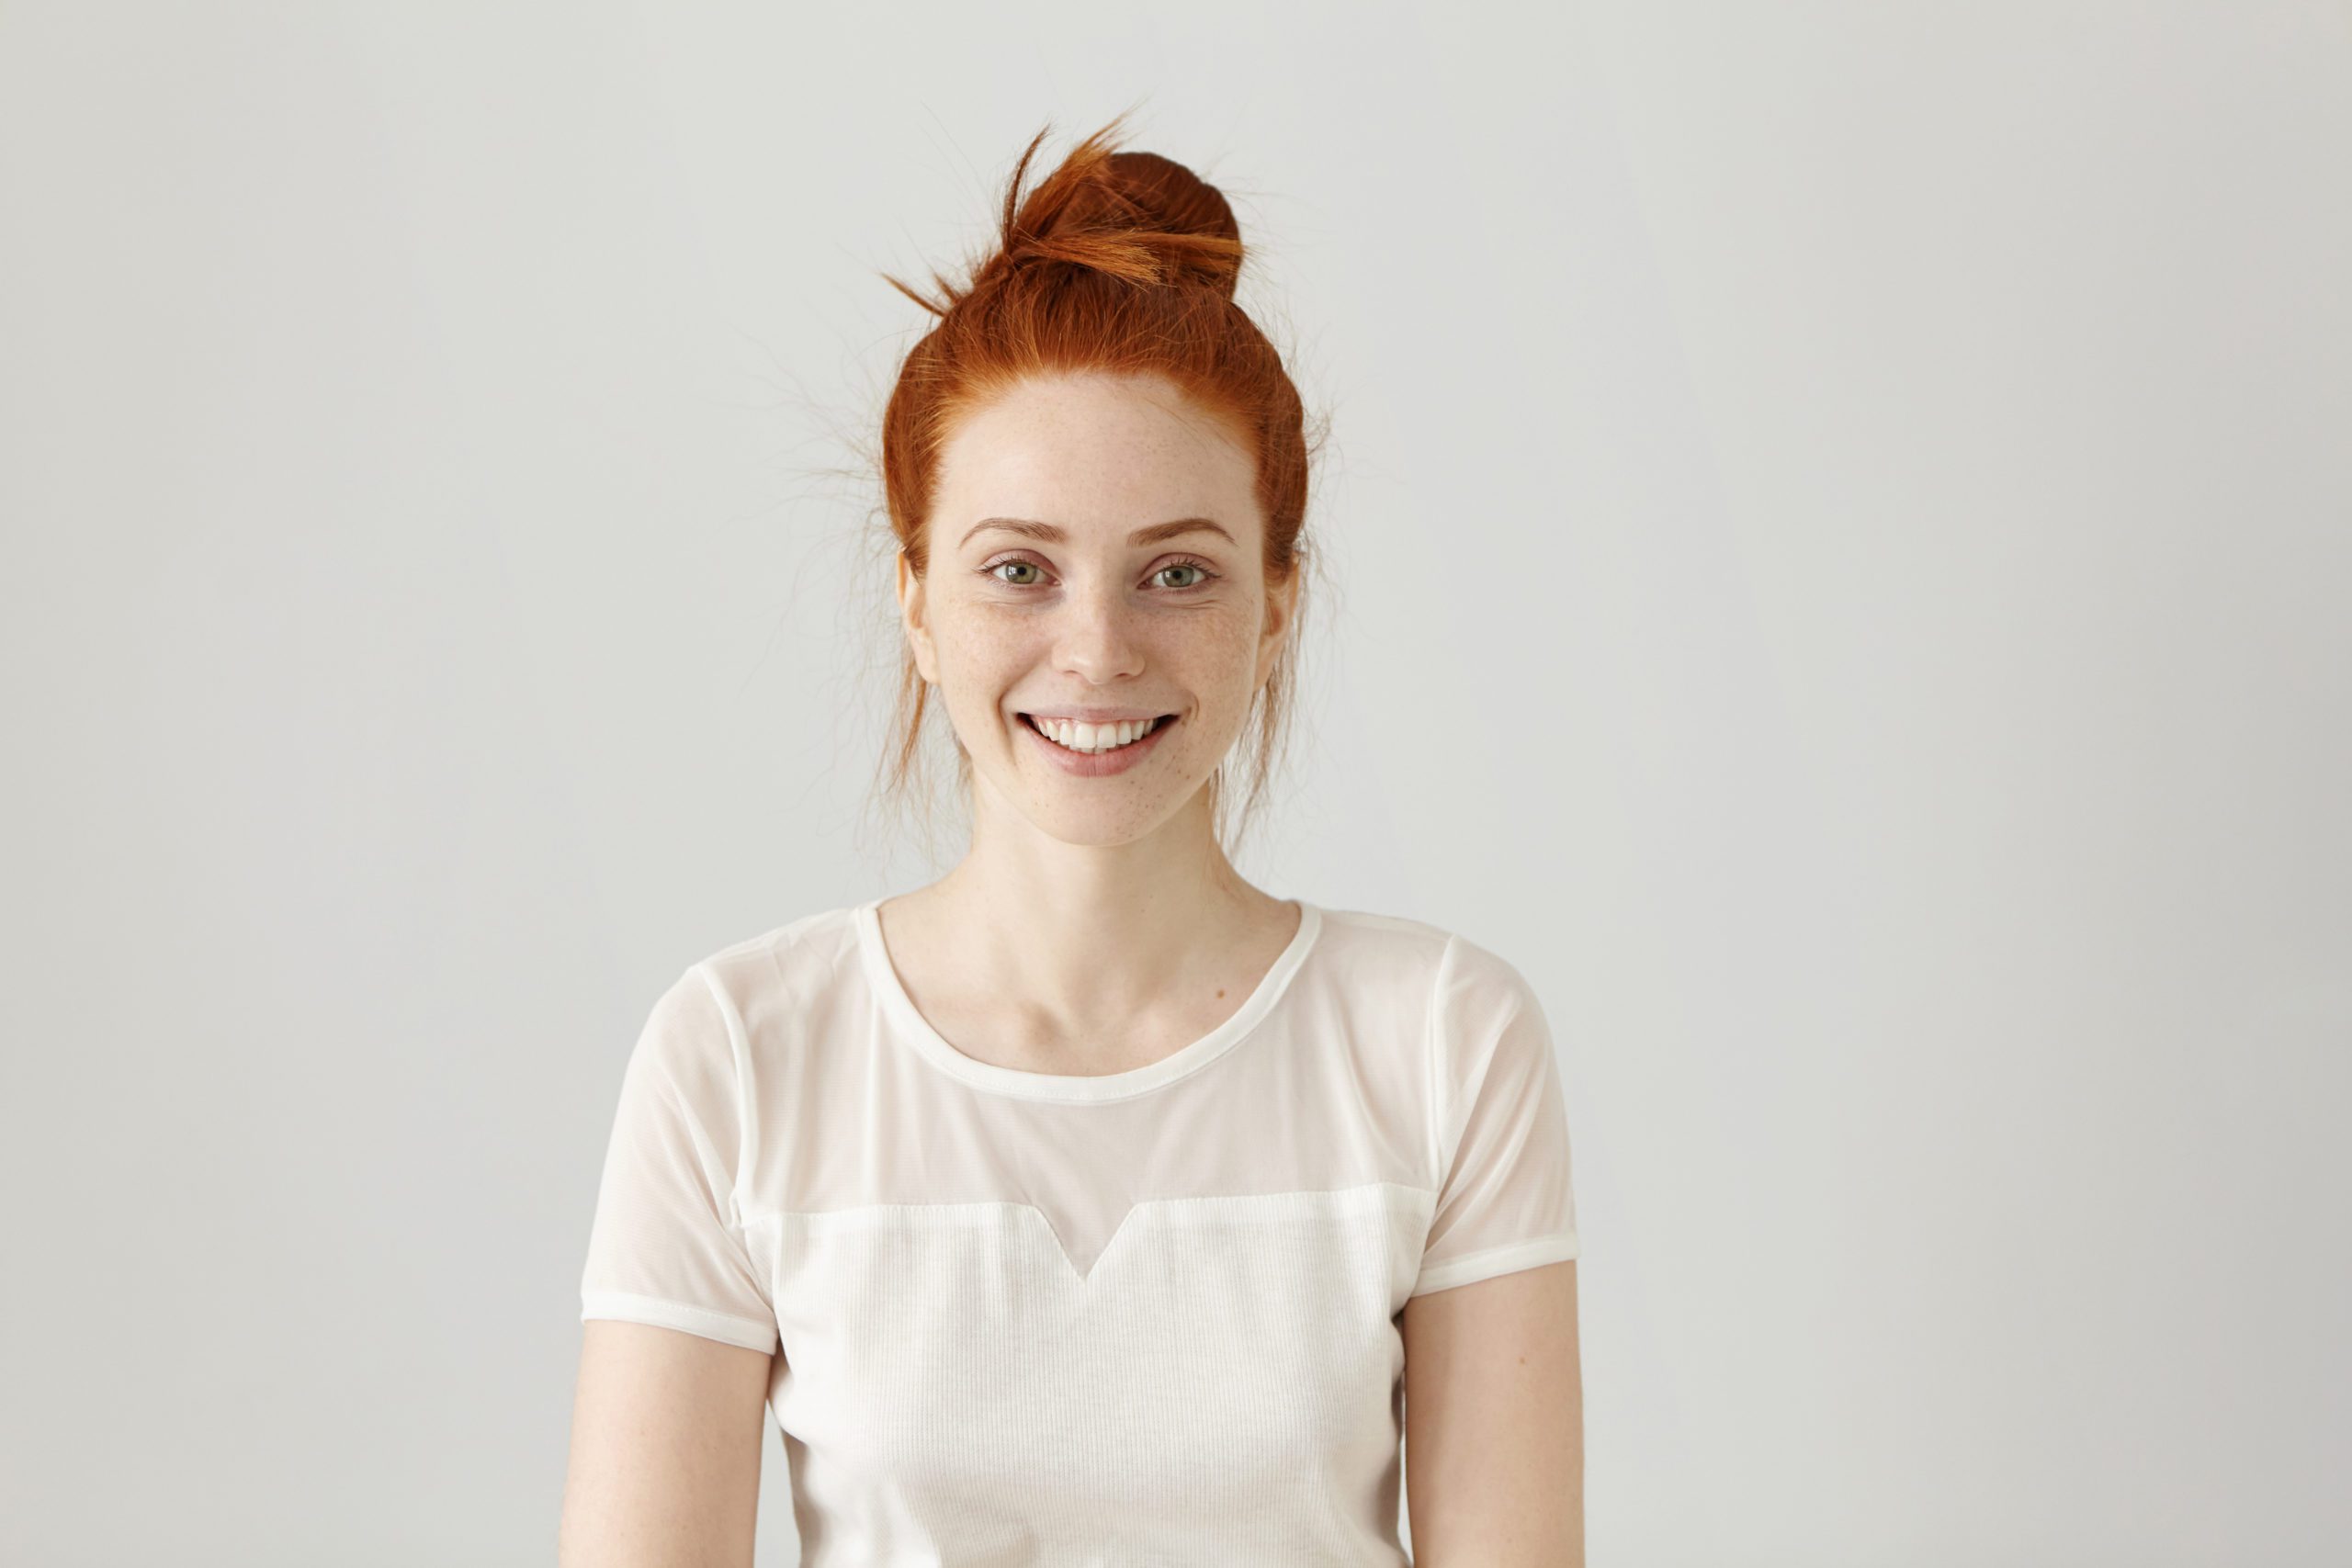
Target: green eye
1204,573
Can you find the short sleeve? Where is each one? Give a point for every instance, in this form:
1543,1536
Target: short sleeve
667,1245
1505,1201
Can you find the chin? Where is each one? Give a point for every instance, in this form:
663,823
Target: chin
1103,824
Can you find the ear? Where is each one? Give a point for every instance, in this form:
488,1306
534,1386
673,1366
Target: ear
1282,602
910,618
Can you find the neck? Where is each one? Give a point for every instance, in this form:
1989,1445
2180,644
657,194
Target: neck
1086,932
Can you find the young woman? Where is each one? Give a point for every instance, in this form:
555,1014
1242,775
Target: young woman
1090,1205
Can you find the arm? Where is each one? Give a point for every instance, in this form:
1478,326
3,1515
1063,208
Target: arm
1494,1421
666,1431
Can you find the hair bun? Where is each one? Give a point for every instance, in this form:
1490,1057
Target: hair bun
1137,217
1163,197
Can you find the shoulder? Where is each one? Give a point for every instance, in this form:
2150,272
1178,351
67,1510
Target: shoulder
733,1000
1395,952
1379,954
801,958
1469,1008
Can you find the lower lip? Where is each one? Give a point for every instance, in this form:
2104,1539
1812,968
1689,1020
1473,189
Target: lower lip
1096,765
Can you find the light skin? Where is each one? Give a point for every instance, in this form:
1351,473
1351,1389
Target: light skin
1494,1421
1095,926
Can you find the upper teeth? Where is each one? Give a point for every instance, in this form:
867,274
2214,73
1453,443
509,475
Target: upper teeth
1091,737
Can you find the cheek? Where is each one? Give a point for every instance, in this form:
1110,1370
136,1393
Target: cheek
1225,647
983,674
976,647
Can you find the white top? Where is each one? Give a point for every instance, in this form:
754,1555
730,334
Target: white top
1028,1318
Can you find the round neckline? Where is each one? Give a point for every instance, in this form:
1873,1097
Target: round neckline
1182,1063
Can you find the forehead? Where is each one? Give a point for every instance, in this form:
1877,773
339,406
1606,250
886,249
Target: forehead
1095,452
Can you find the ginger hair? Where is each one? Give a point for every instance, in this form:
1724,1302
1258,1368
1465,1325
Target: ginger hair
1118,262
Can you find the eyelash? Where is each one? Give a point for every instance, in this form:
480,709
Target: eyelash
1207,576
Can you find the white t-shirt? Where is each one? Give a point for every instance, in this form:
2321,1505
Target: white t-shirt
1151,1316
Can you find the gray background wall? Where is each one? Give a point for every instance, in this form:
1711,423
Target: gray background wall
1839,516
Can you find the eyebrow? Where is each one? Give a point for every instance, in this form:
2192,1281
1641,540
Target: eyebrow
1053,533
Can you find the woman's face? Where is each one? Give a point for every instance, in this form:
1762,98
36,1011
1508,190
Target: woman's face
1095,553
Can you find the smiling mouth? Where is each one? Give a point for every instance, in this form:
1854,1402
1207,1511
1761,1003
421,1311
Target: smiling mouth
1157,725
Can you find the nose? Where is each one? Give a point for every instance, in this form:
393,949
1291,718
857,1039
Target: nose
1094,635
